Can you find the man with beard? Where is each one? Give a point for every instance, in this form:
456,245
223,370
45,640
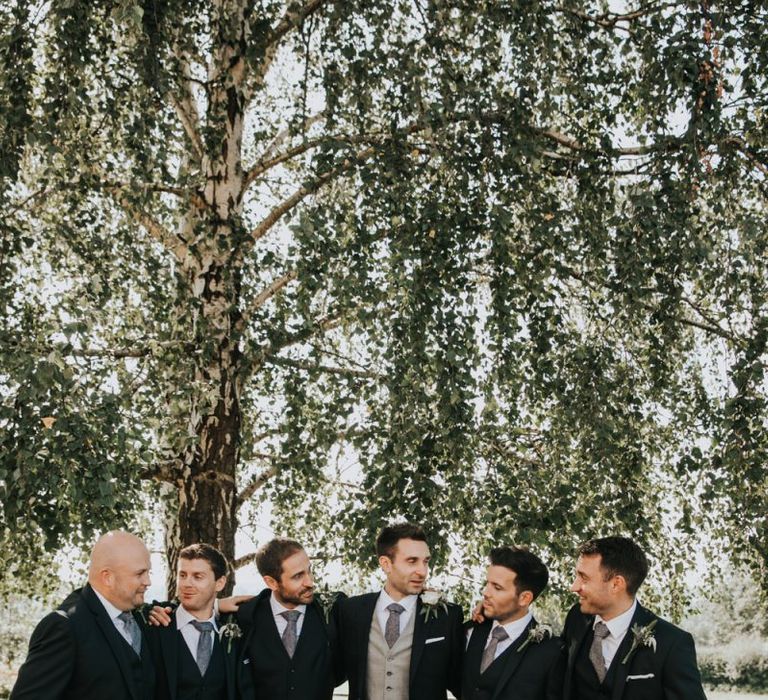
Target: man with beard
93,647
288,634
195,657
394,645
616,647
508,656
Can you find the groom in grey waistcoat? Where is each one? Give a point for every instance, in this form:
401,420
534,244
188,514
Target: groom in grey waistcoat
396,644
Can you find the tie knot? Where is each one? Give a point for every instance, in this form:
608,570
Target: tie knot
601,630
201,627
395,608
291,615
126,617
499,633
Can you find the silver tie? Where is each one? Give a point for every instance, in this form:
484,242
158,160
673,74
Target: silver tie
204,644
392,630
596,649
499,634
290,637
132,628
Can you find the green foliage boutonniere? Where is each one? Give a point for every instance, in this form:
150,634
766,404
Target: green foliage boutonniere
536,635
229,632
643,637
432,601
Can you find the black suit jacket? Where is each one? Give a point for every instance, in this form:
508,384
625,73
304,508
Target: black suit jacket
76,653
531,670
164,644
668,673
309,675
435,667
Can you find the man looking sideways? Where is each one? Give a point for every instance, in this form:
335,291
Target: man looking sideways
508,656
193,659
616,647
392,645
93,647
288,635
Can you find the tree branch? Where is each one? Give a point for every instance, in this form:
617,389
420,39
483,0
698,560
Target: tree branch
247,493
292,19
267,293
610,20
186,108
244,561
295,199
317,367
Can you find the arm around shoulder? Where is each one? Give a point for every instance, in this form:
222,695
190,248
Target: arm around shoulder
680,675
50,661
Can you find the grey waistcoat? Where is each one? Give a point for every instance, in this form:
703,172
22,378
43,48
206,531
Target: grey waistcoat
389,669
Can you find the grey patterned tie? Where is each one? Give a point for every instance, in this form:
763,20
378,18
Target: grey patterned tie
392,630
499,634
290,637
596,649
204,644
132,628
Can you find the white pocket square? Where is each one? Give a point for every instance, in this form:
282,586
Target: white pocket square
246,661
640,677
434,639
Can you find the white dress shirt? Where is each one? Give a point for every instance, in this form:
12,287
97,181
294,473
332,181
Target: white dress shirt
114,615
189,632
617,628
513,629
382,614
280,621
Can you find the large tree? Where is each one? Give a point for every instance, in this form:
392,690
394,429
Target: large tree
498,267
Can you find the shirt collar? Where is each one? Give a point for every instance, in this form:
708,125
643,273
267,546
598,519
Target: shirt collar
515,628
112,611
409,602
278,608
184,617
618,625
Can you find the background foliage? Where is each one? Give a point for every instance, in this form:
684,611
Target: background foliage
498,267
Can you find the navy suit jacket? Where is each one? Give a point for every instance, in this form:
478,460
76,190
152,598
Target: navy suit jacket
668,673
531,670
76,653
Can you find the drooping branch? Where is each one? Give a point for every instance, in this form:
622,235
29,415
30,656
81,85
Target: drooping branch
292,19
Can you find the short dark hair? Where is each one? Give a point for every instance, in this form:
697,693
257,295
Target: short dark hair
270,556
531,573
619,556
213,556
386,542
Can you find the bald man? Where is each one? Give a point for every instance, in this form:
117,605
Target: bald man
93,647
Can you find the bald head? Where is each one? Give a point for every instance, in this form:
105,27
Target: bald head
119,569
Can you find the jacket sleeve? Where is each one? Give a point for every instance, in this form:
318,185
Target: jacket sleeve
556,675
50,661
334,640
458,639
680,673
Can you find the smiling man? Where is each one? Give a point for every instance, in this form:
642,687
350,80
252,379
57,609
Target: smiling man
288,637
93,647
193,661
616,647
508,656
393,645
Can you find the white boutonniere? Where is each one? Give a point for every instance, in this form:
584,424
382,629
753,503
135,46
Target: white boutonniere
536,635
643,637
229,632
432,601
325,599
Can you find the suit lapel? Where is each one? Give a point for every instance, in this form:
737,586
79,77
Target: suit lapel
419,637
641,617
113,637
368,605
514,658
169,648
230,651
577,638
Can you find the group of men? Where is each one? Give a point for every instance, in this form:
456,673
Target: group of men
403,642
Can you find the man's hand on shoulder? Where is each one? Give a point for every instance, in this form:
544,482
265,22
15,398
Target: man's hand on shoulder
232,603
160,616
